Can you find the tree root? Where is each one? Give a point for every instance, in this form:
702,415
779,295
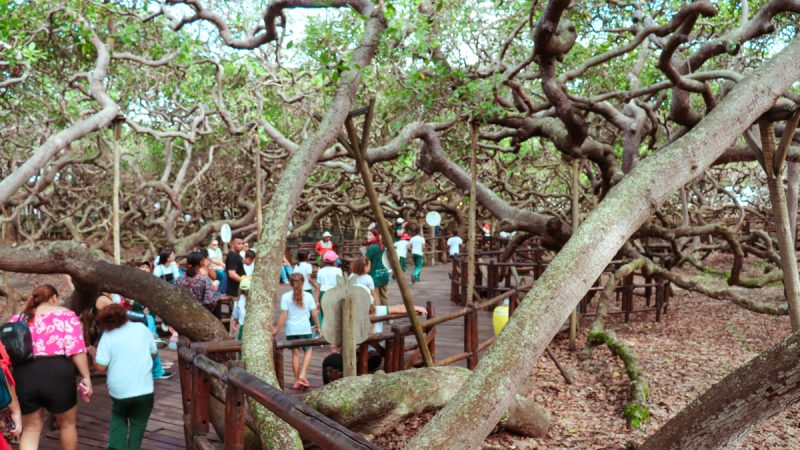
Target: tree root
373,404
636,412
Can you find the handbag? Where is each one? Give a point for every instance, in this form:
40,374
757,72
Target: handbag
16,338
5,392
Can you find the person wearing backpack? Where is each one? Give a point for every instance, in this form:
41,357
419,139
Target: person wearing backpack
15,427
48,381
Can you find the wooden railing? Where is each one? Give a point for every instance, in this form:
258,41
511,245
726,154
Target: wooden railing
493,278
392,347
197,372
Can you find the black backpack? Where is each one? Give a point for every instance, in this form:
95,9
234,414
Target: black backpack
16,338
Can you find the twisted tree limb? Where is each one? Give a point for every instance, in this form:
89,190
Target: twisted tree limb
636,412
468,418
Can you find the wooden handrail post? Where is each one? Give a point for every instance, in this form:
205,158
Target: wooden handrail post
627,296
277,358
472,329
513,302
348,337
201,393
454,278
398,352
432,344
363,359
185,372
235,413
464,277
491,279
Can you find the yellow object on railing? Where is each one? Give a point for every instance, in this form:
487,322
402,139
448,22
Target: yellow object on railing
500,317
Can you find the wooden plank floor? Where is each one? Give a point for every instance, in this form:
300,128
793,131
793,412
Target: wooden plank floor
165,428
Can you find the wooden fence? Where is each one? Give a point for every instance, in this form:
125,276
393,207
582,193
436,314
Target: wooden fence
197,372
493,278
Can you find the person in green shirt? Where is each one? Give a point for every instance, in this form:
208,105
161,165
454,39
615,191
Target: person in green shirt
380,275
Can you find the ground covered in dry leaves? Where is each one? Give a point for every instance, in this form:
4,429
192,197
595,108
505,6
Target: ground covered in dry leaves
697,343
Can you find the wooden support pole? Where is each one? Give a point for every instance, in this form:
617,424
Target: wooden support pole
348,337
117,127
259,193
434,246
432,332
200,402
575,208
277,358
474,341
235,413
359,153
363,359
473,132
185,371
564,373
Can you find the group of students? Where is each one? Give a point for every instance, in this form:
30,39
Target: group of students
301,314
46,379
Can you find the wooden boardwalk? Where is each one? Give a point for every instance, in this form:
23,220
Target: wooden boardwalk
165,428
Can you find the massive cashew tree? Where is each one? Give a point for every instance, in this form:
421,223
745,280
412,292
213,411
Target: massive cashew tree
656,101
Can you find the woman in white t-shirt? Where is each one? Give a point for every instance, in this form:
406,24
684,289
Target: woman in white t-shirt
297,307
306,270
359,268
126,350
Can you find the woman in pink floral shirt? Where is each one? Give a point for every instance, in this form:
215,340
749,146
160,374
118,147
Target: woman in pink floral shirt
48,382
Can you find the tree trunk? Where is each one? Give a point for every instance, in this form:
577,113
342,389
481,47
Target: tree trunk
792,183
273,432
791,280
469,417
767,385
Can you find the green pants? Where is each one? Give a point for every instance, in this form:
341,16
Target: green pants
403,263
417,266
128,421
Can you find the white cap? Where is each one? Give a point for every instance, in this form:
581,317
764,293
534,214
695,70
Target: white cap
400,220
326,234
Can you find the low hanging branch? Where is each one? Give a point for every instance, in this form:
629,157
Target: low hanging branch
774,309
174,304
636,412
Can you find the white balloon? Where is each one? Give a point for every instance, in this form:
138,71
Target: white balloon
225,233
433,219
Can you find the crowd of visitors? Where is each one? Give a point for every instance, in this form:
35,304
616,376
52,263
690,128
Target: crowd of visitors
121,336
